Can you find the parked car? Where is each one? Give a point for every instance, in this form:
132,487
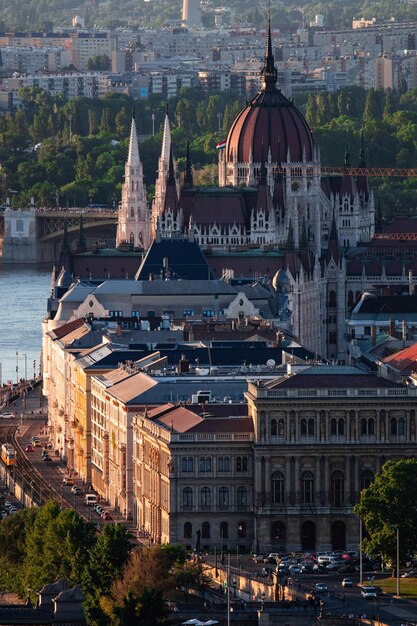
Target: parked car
347,582
7,416
411,574
67,480
76,490
106,516
272,557
334,566
320,587
47,458
29,448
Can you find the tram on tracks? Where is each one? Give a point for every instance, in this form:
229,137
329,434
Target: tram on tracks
8,454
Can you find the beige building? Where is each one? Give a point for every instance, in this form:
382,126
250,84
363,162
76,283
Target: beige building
287,477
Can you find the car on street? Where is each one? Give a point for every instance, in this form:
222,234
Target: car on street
67,480
368,592
259,558
347,582
272,557
411,574
76,490
320,587
334,566
7,416
29,448
106,516
47,458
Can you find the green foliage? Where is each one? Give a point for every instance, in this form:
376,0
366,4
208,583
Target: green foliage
99,62
390,503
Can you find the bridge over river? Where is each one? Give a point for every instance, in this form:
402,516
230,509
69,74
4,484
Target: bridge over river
34,235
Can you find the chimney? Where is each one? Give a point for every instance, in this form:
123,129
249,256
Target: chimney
183,365
278,338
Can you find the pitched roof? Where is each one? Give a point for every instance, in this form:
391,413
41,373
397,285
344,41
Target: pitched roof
61,331
404,360
184,259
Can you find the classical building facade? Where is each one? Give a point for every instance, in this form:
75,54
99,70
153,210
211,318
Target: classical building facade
285,477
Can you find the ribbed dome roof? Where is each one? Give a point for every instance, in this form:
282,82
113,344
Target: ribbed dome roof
271,120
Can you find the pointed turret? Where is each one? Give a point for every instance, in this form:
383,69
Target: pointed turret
188,176
333,251
269,74
166,138
133,156
163,167
81,242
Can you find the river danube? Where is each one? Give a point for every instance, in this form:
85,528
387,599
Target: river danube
23,294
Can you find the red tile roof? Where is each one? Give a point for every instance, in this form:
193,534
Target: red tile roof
404,360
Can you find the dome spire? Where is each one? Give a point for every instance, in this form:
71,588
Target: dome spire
269,73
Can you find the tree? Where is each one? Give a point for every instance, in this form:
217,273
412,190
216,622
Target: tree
390,503
99,62
104,566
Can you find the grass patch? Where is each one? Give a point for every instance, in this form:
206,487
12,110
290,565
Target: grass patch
408,586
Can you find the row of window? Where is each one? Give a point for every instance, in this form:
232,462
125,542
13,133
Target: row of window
205,464
337,487
206,530
206,497
338,427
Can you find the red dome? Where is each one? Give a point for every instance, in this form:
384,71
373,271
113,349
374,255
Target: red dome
269,120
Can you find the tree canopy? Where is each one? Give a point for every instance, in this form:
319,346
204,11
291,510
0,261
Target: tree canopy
390,502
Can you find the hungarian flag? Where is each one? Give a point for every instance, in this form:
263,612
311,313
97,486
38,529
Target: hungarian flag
221,145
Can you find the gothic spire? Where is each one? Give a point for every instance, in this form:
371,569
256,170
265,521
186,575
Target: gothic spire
304,238
263,171
133,157
290,237
362,159
347,153
333,247
188,176
171,171
166,139
269,74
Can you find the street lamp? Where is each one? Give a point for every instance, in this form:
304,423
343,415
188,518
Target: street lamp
25,385
17,367
398,561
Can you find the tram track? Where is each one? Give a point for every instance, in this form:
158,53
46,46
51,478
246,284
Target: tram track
26,475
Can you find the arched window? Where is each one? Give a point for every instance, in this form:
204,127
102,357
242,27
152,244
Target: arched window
337,488
187,497
310,427
367,426
242,496
281,428
277,488
307,427
332,299
242,464
205,530
367,478
224,530
132,212
337,426
401,426
205,464
132,238
333,426
205,496
278,534
393,426
188,530
371,426
274,429
187,464
307,487
223,464
223,496
303,427
241,530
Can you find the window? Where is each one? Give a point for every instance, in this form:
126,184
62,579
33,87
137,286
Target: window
307,488
188,313
223,496
187,464
223,464
337,426
188,530
224,530
277,488
205,464
208,313
337,488
367,478
151,313
242,464
135,314
274,429
116,313
242,496
397,426
281,428
367,426
307,427
205,496
205,530
187,497
241,530
332,299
